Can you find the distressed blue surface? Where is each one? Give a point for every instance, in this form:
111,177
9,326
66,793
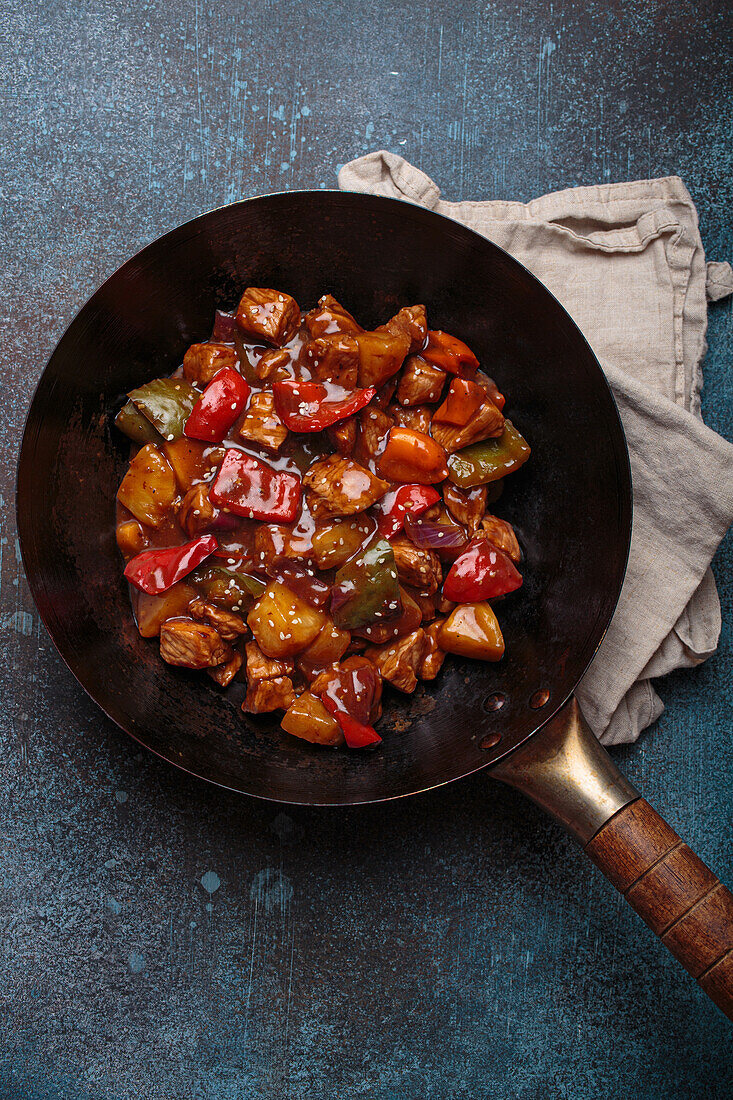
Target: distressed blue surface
164,940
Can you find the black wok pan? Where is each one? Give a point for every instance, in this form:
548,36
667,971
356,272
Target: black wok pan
571,504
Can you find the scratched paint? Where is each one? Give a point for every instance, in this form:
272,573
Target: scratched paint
179,942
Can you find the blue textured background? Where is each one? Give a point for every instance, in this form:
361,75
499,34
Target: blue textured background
162,939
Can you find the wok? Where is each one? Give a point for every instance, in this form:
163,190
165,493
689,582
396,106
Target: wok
571,504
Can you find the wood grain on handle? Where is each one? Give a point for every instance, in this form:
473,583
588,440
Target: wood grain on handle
674,892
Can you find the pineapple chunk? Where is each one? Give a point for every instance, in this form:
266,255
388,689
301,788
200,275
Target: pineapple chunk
148,488
282,623
335,543
152,611
131,538
472,630
309,719
186,456
329,646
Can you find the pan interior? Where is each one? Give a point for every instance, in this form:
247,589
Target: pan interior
570,503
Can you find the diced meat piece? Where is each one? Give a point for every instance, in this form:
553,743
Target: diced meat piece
420,383
501,535
229,626
329,317
224,674
445,606
261,425
385,393
487,423
417,567
427,604
343,435
268,695
433,655
490,388
374,428
417,417
202,361
260,667
308,718
273,540
197,513
271,363
413,322
465,505
268,315
333,359
399,661
131,538
342,487
192,645
381,354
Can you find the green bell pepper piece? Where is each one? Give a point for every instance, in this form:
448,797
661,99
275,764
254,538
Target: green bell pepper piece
167,404
136,426
489,460
366,588
225,586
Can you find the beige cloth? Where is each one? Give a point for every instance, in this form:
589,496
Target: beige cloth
627,262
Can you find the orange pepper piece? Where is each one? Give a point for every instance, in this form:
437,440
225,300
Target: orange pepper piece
463,401
412,457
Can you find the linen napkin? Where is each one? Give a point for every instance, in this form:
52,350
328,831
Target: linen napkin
627,262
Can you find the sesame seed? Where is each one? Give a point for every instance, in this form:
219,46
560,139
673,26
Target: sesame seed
170,437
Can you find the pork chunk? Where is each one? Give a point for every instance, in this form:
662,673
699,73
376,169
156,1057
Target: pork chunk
224,674
260,667
333,359
273,365
268,315
202,361
417,417
416,567
420,383
341,487
400,660
192,644
433,655
465,505
343,435
275,694
411,321
329,317
261,425
374,428
229,625
501,535
196,512
486,423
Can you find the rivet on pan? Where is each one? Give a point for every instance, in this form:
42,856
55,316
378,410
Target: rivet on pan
539,698
489,741
494,702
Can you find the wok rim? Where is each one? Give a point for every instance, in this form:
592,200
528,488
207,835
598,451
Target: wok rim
619,445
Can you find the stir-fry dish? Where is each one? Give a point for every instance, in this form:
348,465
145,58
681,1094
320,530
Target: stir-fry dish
306,510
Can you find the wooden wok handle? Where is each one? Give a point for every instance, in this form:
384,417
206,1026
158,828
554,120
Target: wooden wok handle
565,770
673,892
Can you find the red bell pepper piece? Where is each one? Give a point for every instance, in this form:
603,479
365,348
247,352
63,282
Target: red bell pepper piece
392,509
481,573
463,401
357,734
218,407
251,488
155,571
450,354
309,406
